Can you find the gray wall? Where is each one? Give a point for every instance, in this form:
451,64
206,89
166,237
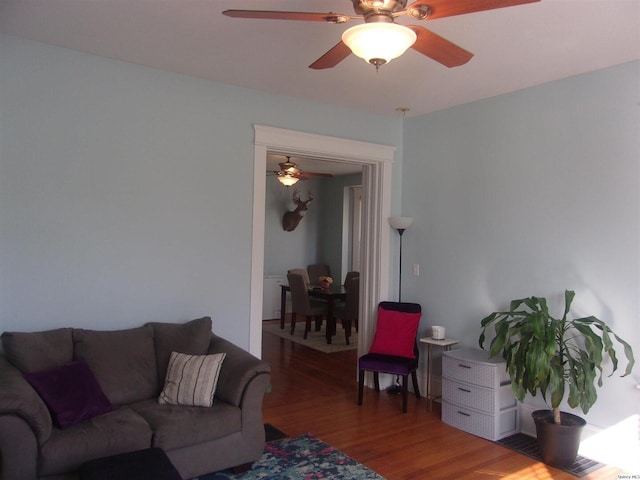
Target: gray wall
299,248
126,192
332,221
528,194
318,237
125,197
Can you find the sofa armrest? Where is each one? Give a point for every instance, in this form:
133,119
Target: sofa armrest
238,369
17,397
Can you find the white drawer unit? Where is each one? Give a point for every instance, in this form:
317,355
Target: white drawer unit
476,394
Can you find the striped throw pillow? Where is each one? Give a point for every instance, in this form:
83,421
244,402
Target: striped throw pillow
191,379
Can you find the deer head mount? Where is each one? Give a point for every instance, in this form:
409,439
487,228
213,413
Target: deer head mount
291,219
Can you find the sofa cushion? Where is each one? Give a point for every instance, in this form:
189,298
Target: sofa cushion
191,379
71,393
119,431
35,351
123,361
179,426
191,337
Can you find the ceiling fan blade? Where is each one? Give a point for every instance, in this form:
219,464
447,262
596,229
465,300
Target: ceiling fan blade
333,57
449,8
439,49
312,174
276,15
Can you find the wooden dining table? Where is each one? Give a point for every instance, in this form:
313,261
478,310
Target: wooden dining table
331,294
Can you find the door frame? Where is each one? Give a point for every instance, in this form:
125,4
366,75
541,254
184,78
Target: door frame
376,161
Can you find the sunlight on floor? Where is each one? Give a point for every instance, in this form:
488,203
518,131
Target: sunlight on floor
618,445
535,472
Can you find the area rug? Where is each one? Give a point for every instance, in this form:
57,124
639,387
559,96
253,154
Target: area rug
528,446
300,458
315,340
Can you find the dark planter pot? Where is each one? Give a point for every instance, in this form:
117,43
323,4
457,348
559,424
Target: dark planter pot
558,443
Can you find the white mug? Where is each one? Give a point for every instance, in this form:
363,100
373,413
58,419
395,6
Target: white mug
437,332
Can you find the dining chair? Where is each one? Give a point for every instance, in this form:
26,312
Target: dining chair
317,270
394,349
349,276
303,272
349,313
302,304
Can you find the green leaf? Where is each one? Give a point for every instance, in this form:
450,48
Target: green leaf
553,356
568,300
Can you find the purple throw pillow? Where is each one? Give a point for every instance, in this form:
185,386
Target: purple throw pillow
71,392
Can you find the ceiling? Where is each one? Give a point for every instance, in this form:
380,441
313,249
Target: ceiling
514,47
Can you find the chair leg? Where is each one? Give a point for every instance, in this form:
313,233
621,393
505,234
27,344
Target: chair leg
360,386
347,330
376,381
318,323
416,388
293,322
307,326
405,393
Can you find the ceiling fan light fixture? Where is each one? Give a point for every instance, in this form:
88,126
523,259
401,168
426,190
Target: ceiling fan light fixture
379,43
287,179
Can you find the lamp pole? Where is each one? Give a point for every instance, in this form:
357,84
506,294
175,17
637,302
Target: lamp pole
400,224
400,231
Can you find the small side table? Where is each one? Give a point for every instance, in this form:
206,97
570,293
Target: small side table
447,343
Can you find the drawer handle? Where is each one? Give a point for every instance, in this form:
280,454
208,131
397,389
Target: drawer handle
464,390
463,413
464,366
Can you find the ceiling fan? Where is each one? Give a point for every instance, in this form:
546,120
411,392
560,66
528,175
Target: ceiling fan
290,173
379,39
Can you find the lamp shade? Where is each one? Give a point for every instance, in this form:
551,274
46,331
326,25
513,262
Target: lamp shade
400,223
379,43
288,179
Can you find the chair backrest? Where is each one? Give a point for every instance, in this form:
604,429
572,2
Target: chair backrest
317,270
299,294
302,272
405,307
352,304
348,277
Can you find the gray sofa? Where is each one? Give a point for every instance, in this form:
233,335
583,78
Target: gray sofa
130,367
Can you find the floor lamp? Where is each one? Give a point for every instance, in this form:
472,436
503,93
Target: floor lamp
400,224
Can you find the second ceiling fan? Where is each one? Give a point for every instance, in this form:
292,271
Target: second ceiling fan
290,173
379,39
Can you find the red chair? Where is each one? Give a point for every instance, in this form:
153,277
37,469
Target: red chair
394,349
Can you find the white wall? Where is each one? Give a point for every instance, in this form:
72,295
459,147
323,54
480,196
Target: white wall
126,192
528,194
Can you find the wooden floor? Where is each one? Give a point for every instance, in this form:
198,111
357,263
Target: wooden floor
314,392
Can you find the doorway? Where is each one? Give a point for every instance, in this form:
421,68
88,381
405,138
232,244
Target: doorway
376,161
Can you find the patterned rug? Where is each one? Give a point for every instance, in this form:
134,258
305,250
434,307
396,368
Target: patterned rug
528,446
300,458
315,340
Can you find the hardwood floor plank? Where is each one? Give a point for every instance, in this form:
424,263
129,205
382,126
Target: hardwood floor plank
314,392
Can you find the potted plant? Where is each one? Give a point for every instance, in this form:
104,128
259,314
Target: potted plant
557,357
